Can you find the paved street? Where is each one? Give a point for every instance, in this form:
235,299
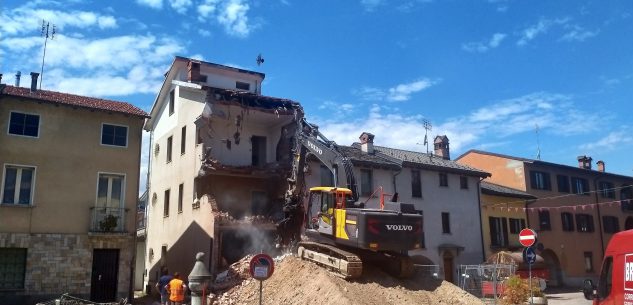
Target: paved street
566,296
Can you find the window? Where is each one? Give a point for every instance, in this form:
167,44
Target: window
579,186
443,179
327,178
242,86
183,138
606,189
113,135
166,205
18,184
169,143
626,198
584,223
540,180
463,182
588,261
543,220
446,223
516,225
23,124
567,220
172,97
110,191
498,231
563,183
610,224
416,184
366,182
180,194
606,280
13,266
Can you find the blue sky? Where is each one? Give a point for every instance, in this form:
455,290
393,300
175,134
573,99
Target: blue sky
484,73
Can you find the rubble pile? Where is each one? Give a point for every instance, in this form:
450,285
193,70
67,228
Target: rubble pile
234,276
297,282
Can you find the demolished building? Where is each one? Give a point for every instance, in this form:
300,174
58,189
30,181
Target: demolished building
223,194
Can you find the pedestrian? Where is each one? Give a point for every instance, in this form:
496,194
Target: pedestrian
164,279
176,289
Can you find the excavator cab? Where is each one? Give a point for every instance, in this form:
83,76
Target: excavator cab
322,205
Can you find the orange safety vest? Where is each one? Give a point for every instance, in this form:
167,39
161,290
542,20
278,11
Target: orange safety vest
176,290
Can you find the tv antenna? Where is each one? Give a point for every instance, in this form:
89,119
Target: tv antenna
46,33
427,127
538,143
259,60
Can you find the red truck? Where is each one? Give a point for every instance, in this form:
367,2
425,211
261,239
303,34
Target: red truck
615,285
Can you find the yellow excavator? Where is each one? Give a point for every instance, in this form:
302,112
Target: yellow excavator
341,233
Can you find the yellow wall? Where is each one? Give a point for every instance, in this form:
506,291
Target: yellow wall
68,157
497,206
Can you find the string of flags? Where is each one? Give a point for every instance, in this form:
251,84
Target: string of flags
576,207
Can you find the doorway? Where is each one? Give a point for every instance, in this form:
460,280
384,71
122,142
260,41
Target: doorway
105,271
258,151
448,266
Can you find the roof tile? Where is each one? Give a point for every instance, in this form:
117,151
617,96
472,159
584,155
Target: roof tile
74,100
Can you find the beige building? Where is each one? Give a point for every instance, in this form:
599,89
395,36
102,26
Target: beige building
220,153
576,212
69,185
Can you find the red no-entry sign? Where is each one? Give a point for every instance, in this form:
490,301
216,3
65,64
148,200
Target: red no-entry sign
527,237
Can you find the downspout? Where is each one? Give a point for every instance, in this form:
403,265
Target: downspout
481,227
595,187
393,180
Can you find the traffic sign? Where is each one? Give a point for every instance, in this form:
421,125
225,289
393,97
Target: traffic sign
529,256
261,266
527,237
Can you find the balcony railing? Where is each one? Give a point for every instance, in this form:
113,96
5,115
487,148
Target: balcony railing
107,220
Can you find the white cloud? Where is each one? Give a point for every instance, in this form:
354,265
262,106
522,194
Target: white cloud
484,46
206,9
541,27
577,33
233,18
142,186
24,19
398,93
371,5
204,33
488,126
155,4
403,92
609,142
180,6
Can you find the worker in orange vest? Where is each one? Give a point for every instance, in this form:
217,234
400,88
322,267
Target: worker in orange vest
176,289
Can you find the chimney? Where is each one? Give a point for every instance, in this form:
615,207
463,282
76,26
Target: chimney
0,78
34,76
441,147
17,78
600,166
367,142
194,71
584,162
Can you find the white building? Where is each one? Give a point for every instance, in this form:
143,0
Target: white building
446,193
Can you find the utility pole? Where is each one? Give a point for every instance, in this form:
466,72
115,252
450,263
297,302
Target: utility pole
427,128
45,33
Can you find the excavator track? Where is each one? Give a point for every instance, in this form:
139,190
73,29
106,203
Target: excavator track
344,264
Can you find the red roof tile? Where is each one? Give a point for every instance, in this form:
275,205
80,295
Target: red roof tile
74,100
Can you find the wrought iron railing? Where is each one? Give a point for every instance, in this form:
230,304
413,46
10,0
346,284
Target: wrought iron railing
107,220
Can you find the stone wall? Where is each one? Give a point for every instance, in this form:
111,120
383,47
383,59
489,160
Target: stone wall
62,263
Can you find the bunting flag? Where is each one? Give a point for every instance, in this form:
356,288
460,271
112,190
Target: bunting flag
574,207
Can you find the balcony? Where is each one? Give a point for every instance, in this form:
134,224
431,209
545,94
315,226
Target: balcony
107,220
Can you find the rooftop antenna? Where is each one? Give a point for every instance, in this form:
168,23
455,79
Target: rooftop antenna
538,143
259,60
427,128
46,33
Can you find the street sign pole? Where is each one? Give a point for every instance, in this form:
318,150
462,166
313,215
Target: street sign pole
260,292
529,278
